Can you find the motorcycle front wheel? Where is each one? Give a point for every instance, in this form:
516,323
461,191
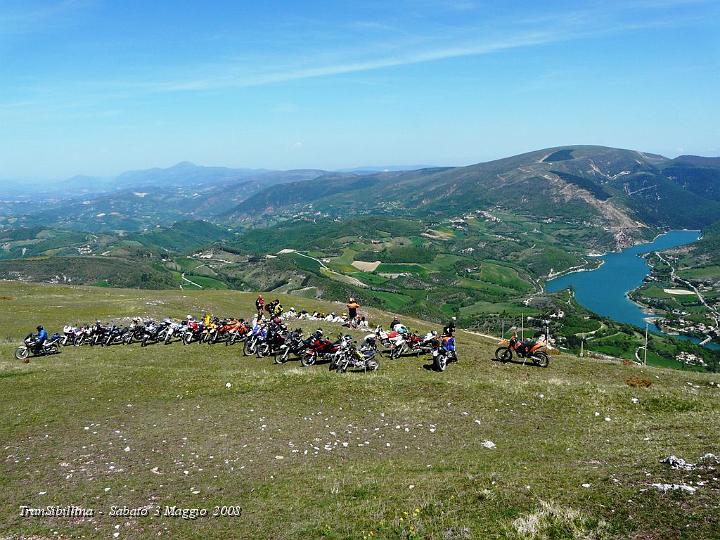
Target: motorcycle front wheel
282,358
440,362
21,353
307,359
503,354
249,347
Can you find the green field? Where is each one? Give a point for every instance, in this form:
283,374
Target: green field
307,453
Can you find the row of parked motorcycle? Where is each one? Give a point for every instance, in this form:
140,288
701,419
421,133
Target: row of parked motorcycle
258,338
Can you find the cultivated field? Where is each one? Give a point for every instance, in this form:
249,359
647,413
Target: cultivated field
305,453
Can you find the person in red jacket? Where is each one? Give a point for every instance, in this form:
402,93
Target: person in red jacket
260,306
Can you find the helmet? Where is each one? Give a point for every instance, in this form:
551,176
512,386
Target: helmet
454,318
39,327
189,317
319,332
97,321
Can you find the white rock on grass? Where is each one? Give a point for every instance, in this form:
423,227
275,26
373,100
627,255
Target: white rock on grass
228,385
674,487
488,444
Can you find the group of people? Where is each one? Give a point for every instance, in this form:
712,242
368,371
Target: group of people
274,309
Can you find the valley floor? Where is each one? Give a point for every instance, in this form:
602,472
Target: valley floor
306,453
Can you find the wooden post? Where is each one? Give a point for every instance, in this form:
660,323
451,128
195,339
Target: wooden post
582,348
646,341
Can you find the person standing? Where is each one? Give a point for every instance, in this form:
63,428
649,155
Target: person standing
352,309
449,329
260,306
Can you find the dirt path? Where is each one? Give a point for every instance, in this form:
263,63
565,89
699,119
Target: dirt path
188,281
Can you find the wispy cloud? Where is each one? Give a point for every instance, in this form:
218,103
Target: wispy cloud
548,29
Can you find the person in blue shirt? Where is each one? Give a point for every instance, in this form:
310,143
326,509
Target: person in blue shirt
41,338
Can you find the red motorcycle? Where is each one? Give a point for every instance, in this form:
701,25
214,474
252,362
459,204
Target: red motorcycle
319,348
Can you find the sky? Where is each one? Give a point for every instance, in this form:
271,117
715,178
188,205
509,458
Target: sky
98,87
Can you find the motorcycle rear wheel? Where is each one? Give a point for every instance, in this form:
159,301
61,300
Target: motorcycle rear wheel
263,349
541,359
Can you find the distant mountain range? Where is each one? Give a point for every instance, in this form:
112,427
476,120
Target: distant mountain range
621,190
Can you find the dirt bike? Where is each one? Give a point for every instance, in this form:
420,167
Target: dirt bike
534,351
443,352
194,331
153,333
349,356
294,344
319,348
50,346
115,336
256,343
233,332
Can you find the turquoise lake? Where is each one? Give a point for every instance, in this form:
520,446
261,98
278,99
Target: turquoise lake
604,290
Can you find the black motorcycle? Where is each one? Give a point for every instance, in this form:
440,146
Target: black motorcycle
294,344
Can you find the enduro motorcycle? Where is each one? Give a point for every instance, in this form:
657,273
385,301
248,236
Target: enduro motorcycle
71,335
417,345
84,335
99,333
135,332
154,332
294,344
51,346
533,351
276,338
194,331
115,336
256,342
319,348
172,329
443,352
231,332
349,356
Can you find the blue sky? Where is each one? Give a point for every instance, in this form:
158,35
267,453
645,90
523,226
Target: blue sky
97,87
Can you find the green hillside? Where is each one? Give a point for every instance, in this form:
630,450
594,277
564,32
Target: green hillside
311,454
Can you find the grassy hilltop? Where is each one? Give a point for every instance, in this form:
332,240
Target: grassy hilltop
311,454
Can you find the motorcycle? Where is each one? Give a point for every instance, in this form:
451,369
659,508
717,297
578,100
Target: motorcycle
319,348
70,335
99,333
194,331
349,356
256,342
29,347
533,351
294,344
115,336
172,329
154,332
135,332
443,352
